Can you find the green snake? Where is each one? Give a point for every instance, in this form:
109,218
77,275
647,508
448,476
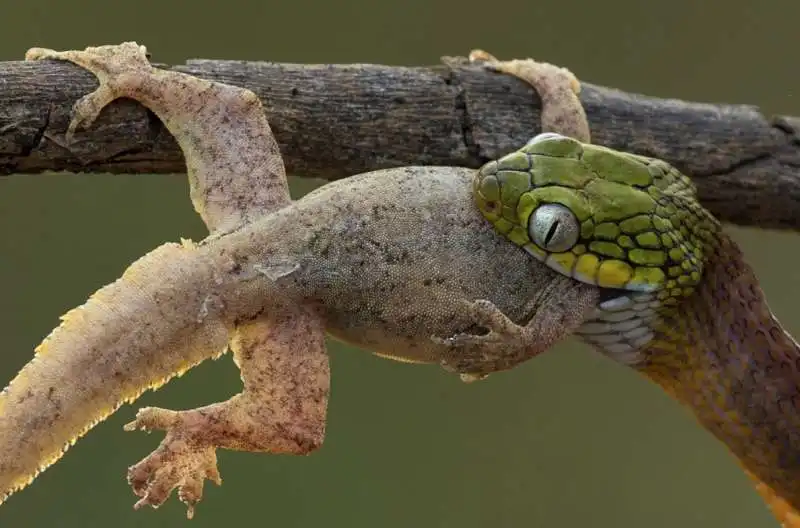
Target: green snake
678,302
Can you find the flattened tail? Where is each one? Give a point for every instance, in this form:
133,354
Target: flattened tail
155,322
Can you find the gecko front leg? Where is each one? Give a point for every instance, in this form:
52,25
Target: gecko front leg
236,176
507,344
558,312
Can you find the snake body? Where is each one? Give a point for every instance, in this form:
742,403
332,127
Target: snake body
678,302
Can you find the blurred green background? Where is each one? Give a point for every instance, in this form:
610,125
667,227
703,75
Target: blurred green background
567,440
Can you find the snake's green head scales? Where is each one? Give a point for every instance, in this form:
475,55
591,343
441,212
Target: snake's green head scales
603,217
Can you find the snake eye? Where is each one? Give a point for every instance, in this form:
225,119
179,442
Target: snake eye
554,228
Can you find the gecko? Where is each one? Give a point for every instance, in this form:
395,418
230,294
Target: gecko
683,307
399,262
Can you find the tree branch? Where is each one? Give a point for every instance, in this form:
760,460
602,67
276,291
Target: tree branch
336,120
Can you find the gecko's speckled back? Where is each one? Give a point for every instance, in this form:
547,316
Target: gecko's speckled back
393,255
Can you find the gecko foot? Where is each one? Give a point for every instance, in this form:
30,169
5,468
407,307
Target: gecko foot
475,356
183,460
558,88
118,68
233,163
527,69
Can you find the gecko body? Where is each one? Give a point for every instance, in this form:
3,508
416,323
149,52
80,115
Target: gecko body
399,262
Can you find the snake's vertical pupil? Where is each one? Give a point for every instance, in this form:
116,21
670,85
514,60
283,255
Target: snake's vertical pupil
551,233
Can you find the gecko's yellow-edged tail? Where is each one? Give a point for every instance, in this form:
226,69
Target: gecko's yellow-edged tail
784,512
159,319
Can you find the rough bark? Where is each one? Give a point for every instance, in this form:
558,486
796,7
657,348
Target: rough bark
336,120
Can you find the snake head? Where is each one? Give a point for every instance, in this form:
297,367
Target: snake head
607,218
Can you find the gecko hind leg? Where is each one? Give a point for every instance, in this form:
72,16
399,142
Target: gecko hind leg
282,409
235,170
558,88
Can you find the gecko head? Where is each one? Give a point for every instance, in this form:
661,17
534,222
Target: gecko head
621,222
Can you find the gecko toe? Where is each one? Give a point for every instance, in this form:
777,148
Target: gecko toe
87,108
159,487
152,418
471,377
34,54
190,492
479,56
486,314
141,474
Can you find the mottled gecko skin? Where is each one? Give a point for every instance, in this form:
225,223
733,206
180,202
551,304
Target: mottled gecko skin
399,262
680,304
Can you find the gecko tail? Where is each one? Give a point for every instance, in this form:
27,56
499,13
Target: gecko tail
131,335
